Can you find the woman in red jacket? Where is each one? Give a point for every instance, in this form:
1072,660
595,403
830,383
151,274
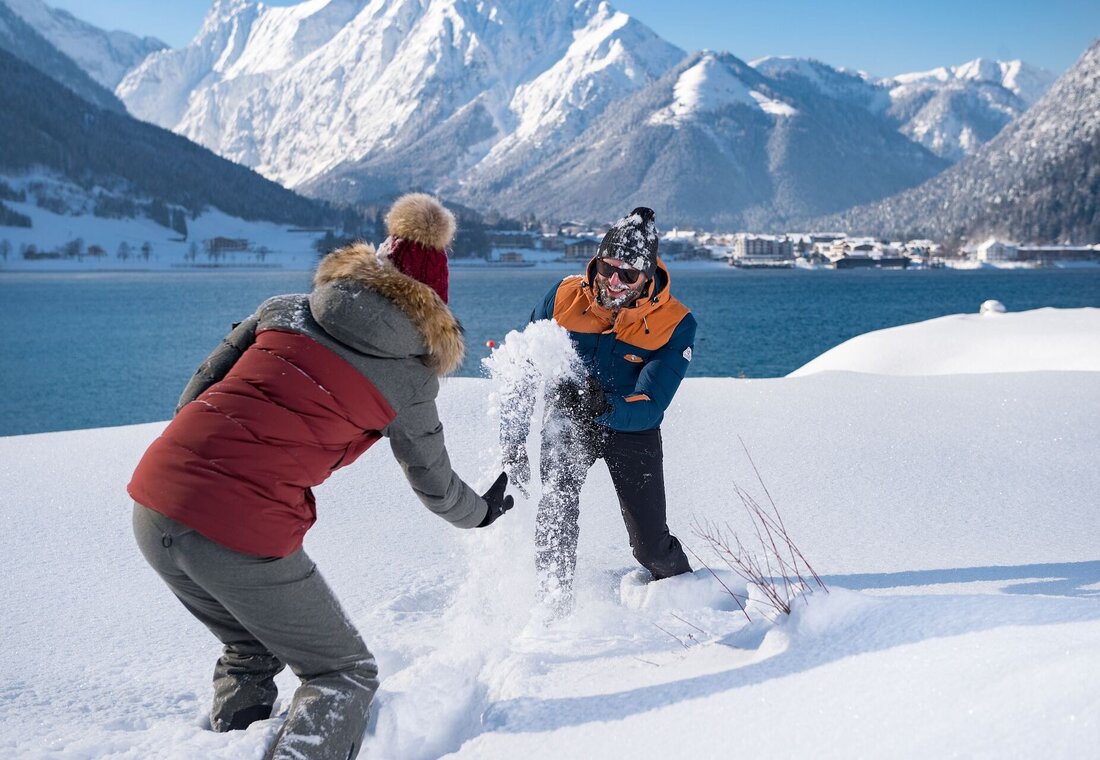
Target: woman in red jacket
296,391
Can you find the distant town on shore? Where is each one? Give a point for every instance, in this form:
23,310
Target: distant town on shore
576,243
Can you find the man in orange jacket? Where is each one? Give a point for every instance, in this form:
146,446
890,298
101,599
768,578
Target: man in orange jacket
635,340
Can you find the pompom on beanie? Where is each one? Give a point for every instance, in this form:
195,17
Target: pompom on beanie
419,228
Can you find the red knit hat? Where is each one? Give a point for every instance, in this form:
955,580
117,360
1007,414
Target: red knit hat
427,265
419,230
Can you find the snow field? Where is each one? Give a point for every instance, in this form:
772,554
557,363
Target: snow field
951,516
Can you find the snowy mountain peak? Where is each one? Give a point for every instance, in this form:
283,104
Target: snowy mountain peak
710,85
105,56
833,82
954,110
982,70
1023,80
294,91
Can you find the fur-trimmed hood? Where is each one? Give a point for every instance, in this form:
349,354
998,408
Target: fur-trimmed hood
342,304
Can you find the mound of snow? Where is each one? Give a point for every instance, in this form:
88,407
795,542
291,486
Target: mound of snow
691,591
993,341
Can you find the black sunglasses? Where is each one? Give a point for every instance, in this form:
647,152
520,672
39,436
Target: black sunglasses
626,274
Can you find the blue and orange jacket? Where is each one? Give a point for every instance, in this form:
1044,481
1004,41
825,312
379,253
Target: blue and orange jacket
639,355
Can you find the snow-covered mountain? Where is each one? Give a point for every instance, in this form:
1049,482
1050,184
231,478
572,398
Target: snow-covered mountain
567,108
116,166
20,39
955,110
951,110
716,142
1028,83
106,56
1038,180
296,91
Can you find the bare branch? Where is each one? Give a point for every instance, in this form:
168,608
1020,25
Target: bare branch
685,622
673,635
775,567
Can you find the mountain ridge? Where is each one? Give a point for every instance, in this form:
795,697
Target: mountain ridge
1038,180
105,55
126,162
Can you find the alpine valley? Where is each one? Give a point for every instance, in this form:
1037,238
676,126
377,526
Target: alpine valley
565,109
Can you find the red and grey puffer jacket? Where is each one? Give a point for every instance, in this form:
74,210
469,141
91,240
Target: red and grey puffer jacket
300,389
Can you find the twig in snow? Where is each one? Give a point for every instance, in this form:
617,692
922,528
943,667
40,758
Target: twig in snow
673,635
775,567
685,622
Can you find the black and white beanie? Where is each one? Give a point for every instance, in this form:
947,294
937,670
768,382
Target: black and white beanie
632,240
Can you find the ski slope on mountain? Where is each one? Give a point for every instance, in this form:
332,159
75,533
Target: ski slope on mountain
952,517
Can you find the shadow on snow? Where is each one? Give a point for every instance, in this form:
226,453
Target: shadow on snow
886,623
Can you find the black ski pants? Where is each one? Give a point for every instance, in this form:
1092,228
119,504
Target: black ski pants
636,464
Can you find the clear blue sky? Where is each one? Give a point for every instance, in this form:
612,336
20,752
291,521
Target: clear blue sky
883,37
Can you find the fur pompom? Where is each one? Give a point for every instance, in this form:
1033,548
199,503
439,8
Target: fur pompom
421,218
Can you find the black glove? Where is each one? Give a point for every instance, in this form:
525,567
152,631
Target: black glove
517,466
498,502
581,400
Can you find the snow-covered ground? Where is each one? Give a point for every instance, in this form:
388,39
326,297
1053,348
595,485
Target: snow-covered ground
952,516
284,249
1027,341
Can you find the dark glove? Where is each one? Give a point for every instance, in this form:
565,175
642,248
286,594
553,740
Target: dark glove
581,400
498,501
517,466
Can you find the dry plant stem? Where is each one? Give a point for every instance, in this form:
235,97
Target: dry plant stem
673,635
777,568
685,622
782,528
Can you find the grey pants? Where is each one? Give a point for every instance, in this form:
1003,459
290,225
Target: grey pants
636,464
269,613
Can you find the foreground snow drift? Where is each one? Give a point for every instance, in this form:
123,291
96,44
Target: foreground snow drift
953,518
1026,341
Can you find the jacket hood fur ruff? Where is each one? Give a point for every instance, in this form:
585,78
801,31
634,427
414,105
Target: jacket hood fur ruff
440,330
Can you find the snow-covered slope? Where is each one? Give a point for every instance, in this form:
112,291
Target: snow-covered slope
951,516
1029,341
951,110
715,142
294,91
271,245
1036,181
708,86
955,110
105,55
